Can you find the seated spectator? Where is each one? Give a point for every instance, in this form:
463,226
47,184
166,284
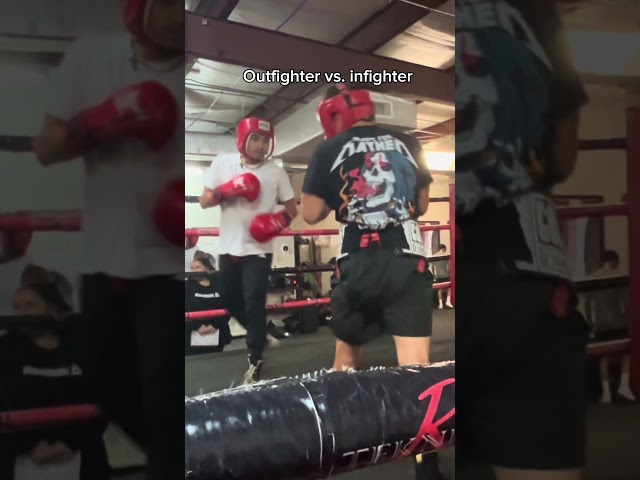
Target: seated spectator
441,270
606,310
203,293
42,366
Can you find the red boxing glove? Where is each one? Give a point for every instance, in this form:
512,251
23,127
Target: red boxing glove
147,111
168,212
246,185
267,225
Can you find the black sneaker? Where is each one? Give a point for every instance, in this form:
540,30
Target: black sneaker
277,332
253,374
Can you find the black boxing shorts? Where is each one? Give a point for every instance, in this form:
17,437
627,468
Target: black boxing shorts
522,370
379,292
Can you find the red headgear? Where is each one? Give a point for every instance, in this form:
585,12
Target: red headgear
352,105
135,17
251,125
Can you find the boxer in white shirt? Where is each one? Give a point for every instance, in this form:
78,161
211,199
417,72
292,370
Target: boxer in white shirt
248,187
116,103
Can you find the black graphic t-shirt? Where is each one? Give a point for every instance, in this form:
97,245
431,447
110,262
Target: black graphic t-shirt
199,297
370,177
514,79
566,89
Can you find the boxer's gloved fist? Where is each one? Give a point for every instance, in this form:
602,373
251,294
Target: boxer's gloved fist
168,212
267,225
246,185
147,111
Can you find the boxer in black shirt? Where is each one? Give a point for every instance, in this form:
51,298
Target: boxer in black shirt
520,342
377,182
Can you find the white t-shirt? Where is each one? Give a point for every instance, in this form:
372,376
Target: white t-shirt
123,178
237,214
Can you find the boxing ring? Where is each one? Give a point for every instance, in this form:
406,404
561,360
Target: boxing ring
413,427
450,227
414,421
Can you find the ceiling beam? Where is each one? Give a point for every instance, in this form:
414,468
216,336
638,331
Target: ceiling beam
448,127
373,33
386,24
252,47
210,8
216,8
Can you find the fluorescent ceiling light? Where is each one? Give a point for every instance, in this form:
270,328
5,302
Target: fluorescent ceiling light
442,161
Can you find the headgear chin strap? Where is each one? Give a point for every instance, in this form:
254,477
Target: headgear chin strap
251,125
352,105
135,17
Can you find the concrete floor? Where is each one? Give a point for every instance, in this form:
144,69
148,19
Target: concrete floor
614,430
301,354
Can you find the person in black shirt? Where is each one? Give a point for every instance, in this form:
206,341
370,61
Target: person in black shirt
202,292
43,367
520,341
377,183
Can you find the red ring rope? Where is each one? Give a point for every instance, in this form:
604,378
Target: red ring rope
612,347
190,316
215,232
568,213
43,221
48,417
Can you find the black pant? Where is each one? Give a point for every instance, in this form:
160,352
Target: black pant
245,281
137,362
